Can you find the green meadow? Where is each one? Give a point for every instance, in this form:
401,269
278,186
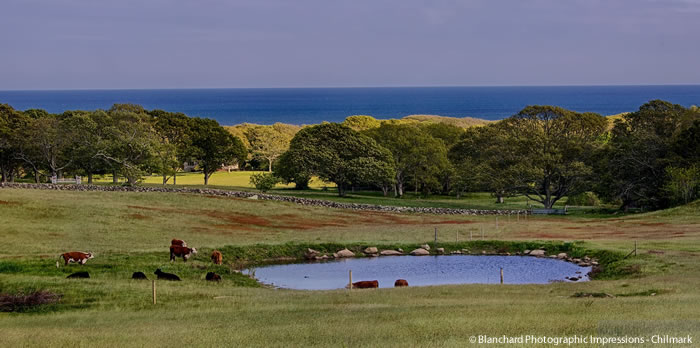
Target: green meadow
654,292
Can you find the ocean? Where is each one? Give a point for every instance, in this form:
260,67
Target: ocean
314,105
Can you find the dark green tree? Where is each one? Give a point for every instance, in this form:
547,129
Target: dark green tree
555,150
338,154
212,146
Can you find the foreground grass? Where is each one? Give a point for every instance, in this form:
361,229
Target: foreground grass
130,232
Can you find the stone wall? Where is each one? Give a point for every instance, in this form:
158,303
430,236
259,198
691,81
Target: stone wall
262,196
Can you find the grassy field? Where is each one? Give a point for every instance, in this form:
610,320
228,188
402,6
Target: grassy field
131,231
240,181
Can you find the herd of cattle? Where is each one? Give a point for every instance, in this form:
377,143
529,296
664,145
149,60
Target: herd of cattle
179,248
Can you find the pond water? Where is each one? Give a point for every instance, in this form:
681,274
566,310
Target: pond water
419,271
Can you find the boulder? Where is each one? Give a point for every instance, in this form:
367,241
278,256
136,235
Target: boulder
526,252
390,253
440,250
400,250
425,246
345,253
311,254
371,250
456,252
420,252
562,256
538,252
253,197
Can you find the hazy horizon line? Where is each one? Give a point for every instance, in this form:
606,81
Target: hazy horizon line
348,87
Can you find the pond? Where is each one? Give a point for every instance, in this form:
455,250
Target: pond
419,271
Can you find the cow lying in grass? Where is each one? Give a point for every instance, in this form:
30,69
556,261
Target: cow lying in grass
166,276
366,284
74,256
213,277
79,275
179,251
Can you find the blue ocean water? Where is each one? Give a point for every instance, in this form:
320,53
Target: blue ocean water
314,105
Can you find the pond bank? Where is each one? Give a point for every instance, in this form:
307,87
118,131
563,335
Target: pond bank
605,264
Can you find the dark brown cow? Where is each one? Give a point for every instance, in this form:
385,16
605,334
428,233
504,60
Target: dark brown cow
213,277
178,242
366,284
184,252
74,256
216,257
400,283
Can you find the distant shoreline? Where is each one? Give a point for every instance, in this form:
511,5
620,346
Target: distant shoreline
300,106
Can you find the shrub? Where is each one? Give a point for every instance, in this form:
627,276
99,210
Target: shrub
585,199
264,181
24,302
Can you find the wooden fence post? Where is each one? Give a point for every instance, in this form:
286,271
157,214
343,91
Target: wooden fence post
153,282
501,275
350,273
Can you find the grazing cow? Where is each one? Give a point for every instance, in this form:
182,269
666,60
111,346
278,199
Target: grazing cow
213,277
216,257
74,256
184,252
79,275
366,284
400,283
178,242
166,276
139,275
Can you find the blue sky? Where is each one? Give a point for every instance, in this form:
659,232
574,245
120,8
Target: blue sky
69,44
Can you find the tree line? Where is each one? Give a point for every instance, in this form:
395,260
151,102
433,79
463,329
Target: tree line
645,159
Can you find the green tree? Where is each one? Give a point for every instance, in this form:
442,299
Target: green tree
12,122
361,122
130,142
268,142
640,149
486,160
555,149
171,150
337,154
264,181
417,156
90,138
683,183
212,146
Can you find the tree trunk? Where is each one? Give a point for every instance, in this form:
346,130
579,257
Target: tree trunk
89,178
36,176
341,190
269,166
499,199
175,178
206,178
385,190
115,179
4,175
165,178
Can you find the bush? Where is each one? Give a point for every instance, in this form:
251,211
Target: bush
264,181
585,199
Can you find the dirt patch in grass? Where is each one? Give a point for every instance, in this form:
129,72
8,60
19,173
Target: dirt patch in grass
9,203
25,302
137,216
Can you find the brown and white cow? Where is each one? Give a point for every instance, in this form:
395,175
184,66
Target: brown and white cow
180,251
216,257
178,242
366,284
74,256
